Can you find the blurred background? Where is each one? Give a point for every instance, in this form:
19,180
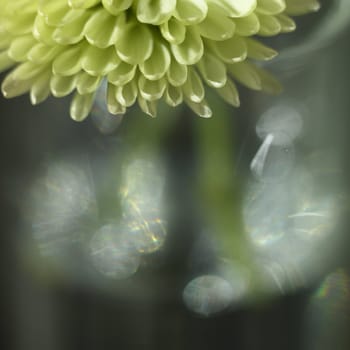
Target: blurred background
183,233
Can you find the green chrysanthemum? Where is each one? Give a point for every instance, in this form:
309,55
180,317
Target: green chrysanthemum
147,50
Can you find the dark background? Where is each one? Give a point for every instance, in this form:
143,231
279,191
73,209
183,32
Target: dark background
38,313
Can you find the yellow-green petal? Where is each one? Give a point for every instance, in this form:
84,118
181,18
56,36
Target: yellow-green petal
148,107
40,88
173,31
237,8
202,108
269,25
116,6
81,106
68,62
190,50
156,66
142,43
247,26
62,85
193,88
151,90
217,26
271,7
191,12
82,4
20,46
86,83
96,61
177,73
112,28
229,93
122,74
287,23
245,73
5,61
173,95
155,11
114,107
232,50
126,95
212,70
258,51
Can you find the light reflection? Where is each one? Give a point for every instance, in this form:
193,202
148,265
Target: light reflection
288,223
213,293
259,160
61,206
208,294
272,163
283,121
105,122
149,236
142,204
336,287
66,208
113,252
289,212
278,128
328,314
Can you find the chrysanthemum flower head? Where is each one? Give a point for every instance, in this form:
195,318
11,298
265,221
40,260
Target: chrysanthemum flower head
146,50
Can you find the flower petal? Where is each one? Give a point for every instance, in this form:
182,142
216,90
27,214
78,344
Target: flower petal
122,74
202,108
72,32
301,7
82,4
155,11
87,83
190,50
216,26
126,95
245,73
81,105
259,51
12,87
42,32
41,53
148,107
173,31
158,64
5,61
236,8
193,88
212,70
97,61
142,43
116,6
231,50
177,73
191,12
40,88
269,25
62,85
229,93
173,95
271,7
247,26
112,28
20,46
68,62
114,107
151,90
287,23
